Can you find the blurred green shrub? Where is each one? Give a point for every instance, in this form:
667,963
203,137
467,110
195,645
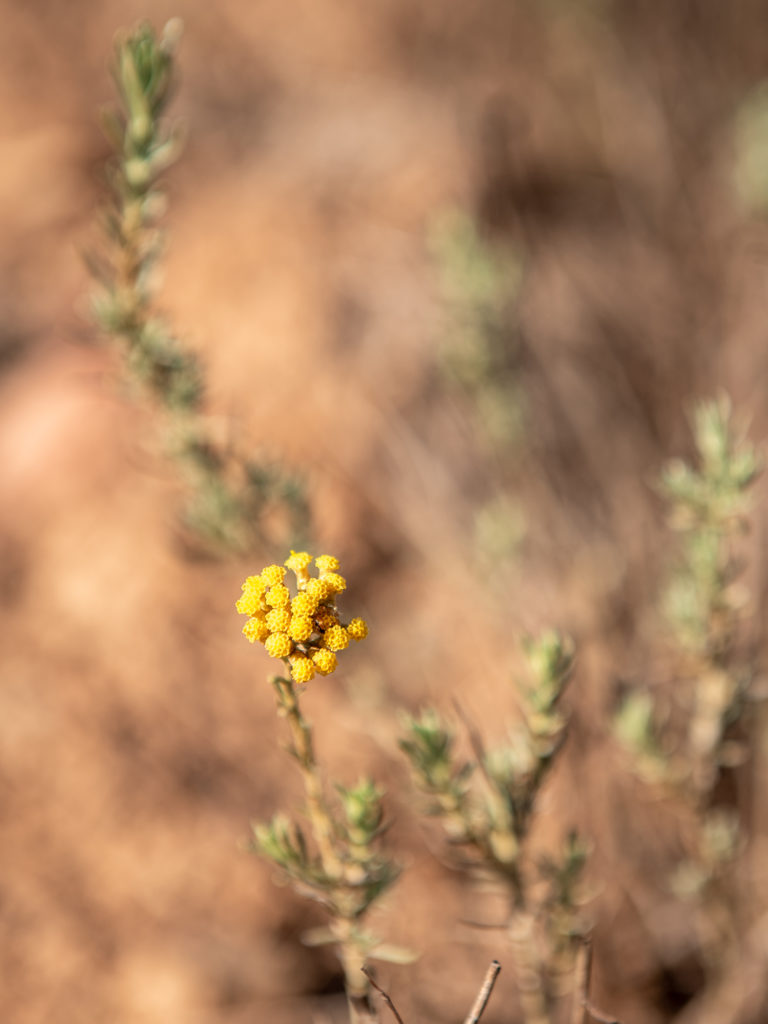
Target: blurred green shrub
233,499
479,284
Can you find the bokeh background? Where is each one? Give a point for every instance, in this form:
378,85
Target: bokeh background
361,182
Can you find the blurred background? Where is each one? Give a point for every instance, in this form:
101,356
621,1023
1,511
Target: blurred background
464,268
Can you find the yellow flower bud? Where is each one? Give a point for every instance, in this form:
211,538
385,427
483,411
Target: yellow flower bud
249,603
302,668
278,596
272,575
326,563
253,585
304,604
334,582
336,638
319,589
278,645
325,661
358,629
278,620
299,561
256,629
302,628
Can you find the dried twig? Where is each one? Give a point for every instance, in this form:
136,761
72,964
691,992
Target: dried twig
582,1005
484,994
369,975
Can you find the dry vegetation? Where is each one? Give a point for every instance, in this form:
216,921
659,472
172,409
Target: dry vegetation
594,146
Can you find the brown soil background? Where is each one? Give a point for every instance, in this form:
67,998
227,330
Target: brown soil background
137,736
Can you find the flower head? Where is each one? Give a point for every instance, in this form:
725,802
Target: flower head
278,596
278,620
304,604
278,645
272,575
336,638
253,585
318,589
325,661
358,629
299,562
256,629
304,629
250,603
302,668
326,563
334,582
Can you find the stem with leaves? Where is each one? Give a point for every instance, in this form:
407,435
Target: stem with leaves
703,604
490,821
229,494
346,873
687,752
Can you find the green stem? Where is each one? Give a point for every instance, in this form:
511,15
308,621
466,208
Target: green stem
528,968
317,809
351,952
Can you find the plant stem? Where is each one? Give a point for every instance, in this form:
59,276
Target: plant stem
351,953
528,966
480,1003
356,983
303,750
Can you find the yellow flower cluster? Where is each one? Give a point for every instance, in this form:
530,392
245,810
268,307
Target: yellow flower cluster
304,630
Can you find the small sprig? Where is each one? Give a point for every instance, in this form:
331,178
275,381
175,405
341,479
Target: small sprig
562,903
363,813
428,746
479,284
283,842
684,747
145,146
486,806
230,493
709,501
497,821
637,731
